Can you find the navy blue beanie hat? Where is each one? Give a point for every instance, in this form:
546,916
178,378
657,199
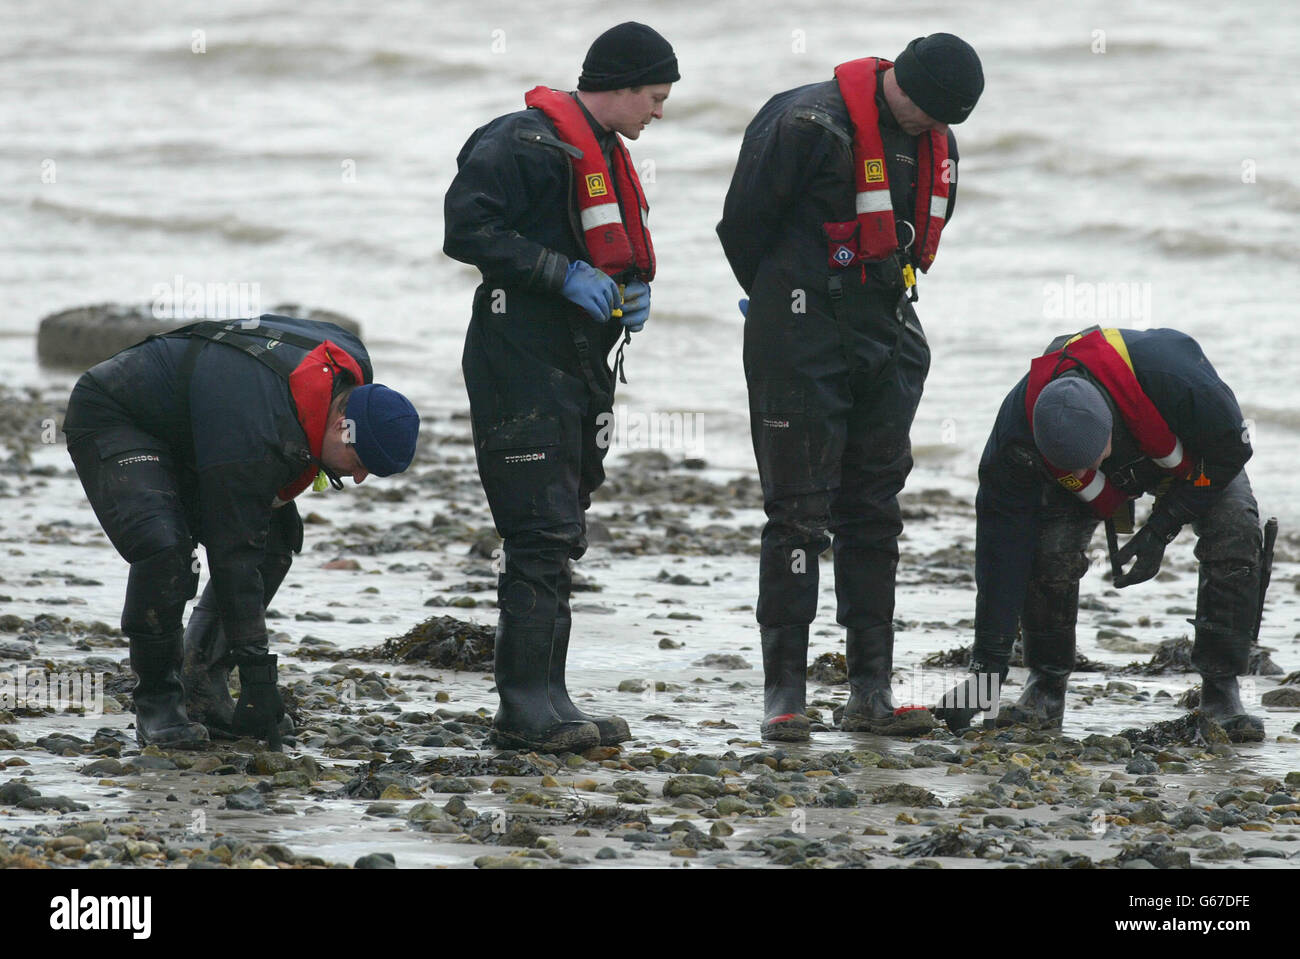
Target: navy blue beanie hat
387,427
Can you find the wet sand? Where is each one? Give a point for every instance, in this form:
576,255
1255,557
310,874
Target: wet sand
390,758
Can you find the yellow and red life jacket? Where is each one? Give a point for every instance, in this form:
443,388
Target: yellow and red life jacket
311,384
1104,355
878,236
613,221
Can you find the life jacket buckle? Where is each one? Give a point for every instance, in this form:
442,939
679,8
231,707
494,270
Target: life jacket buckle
898,225
909,283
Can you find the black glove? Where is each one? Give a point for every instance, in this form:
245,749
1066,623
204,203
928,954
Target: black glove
286,527
260,707
1148,545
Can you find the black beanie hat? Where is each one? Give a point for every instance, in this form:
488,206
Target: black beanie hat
942,75
628,55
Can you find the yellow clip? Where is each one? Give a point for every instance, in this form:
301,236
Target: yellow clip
320,483
617,311
909,275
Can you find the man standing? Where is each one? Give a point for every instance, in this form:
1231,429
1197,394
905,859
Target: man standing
548,206
840,194
205,435
1100,419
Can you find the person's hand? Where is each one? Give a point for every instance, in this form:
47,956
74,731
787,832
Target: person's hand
260,707
590,289
636,305
744,308
1148,548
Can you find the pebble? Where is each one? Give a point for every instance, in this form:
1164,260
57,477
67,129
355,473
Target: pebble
248,800
376,860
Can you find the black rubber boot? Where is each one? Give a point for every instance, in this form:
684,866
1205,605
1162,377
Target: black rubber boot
160,718
260,711
1050,658
613,729
206,673
1221,655
870,709
870,657
979,693
785,682
1047,627
526,718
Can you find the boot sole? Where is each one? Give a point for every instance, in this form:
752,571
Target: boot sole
186,742
570,742
1014,717
914,722
796,729
1241,727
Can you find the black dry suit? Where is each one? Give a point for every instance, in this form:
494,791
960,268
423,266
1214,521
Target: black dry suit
178,441
538,380
534,363
1032,535
835,358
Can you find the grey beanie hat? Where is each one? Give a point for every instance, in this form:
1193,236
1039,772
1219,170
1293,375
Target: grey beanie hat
1071,423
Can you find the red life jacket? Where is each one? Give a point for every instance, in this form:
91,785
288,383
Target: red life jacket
1104,355
878,236
311,385
613,221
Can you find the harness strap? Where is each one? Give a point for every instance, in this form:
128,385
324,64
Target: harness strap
236,336
583,346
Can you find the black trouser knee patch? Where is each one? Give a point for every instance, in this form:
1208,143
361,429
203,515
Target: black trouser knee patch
157,590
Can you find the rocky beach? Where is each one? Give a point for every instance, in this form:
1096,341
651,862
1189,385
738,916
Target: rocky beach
384,633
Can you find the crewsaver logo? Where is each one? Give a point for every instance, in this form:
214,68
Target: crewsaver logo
596,184
1071,483
875,170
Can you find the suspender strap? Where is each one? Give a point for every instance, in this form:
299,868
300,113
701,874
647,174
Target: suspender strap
583,346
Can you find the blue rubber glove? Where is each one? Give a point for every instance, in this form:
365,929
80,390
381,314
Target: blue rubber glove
744,308
636,305
590,289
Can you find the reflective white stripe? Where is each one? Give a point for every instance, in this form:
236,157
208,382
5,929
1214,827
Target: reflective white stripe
938,206
1093,489
1174,458
603,214
874,201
